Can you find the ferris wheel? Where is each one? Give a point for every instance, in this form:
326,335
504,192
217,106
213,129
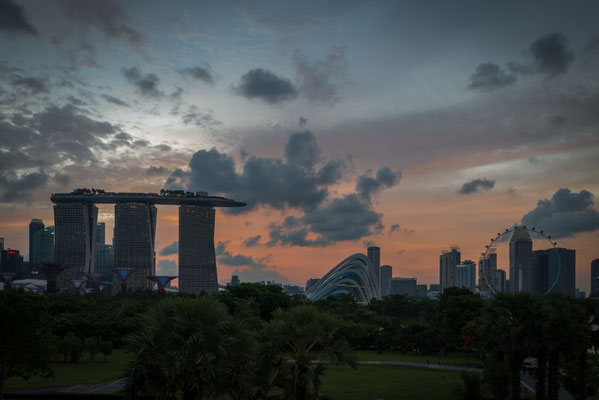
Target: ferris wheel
507,234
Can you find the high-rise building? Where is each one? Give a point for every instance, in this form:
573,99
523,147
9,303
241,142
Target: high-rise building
521,261
487,268
101,234
546,268
11,261
421,291
500,281
74,240
197,258
1,243
595,278
43,247
465,275
374,255
235,280
35,226
104,260
447,265
405,286
386,275
134,240
311,282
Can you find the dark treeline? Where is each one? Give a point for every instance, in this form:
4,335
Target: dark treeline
238,342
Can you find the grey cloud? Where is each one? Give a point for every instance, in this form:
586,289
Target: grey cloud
385,178
319,80
477,185
147,85
252,241
291,182
257,269
565,215
265,85
169,250
489,76
163,147
19,188
394,227
106,16
200,73
302,121
176,95
559,120
197,118
75,101
551,55
140,143
157,170
31,84
115,100
167,267
13,19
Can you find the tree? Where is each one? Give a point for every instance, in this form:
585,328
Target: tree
92,346
105,348
25,340
457,307
193,349
301,335
71,347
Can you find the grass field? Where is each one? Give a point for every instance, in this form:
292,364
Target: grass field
83,372
386,382
456,359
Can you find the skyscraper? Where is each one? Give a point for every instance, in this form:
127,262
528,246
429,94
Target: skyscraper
595,278
447,264
101,234
135,233
197,258
35,226
465,275
487,268
500,281
521,261
546,268
374,255
386,275
43,247
74,240
405,286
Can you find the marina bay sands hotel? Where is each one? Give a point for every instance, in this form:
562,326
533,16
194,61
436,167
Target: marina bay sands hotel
75,221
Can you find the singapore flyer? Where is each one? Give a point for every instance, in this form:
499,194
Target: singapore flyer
536,271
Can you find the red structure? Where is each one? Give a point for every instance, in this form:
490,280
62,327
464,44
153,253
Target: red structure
161,281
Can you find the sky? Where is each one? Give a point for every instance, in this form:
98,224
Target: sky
413,126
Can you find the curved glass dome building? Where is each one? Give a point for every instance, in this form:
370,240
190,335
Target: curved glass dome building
354,275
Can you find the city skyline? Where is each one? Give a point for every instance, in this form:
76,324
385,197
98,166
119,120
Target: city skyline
343,125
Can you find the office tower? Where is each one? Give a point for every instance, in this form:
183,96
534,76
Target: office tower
386,275
197,259
104,259
74,240
11,261
447,264
35,226
500,281
521,261
43,247
595,278
101,234
487,268
311,282
465,275
405,286
546,270
235,280
541,271
421,291
374,255
135,233
1,243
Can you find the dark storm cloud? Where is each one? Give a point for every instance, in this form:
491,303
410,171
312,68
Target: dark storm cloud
565,215
200,73
252,241
257,269
294,181
13,19
169,250
559,120
147,85
31,84
319,80
19,188
489,76
106,16
157,170
385,178
551,55
115,100
265,85
477,185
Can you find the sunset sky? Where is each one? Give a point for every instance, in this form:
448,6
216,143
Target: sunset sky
413,126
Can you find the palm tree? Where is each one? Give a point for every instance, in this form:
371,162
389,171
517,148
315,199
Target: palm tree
301,335
506,327
192,349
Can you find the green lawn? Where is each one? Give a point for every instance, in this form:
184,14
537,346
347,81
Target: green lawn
83,372
385,382
456,359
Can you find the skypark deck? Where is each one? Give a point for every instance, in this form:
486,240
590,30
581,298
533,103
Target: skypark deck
175,197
